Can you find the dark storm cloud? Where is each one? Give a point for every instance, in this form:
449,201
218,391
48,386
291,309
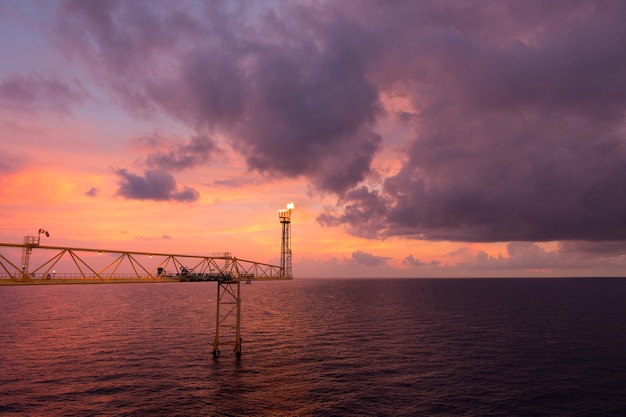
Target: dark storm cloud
517,108
154,185
522,139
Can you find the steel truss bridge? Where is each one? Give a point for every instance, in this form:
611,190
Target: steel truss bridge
33,264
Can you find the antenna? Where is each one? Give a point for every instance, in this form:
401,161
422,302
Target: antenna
284,216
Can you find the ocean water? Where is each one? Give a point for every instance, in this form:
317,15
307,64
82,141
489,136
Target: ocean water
375,347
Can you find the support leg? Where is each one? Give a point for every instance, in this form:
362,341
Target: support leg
216,340
238,331
228,316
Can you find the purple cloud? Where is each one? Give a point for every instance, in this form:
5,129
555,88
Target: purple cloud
528,256
368,259
412,261
516,108
164,155
518,135
174,155
593,249
292,92
154,185
36,92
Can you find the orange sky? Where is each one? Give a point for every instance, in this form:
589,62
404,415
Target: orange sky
234,116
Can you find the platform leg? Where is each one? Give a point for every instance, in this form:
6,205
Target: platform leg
228,316
216,340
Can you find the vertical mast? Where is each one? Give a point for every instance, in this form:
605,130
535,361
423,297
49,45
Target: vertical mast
284,216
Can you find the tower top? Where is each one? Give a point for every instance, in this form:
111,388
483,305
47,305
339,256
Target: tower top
285,214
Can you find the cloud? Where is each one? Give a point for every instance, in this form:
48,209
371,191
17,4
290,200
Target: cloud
235,182
531,257
92,192
37,92
519,133
154,185
364,212
169,154
163,155
291,92
593,249
517,109
164,237
525,259
368,259
412,261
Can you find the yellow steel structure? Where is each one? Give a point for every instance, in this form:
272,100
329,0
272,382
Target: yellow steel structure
43,264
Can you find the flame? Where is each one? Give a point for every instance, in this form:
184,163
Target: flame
286,212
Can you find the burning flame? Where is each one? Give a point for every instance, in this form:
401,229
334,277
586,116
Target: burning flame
286,212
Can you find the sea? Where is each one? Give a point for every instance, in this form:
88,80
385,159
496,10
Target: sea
318,347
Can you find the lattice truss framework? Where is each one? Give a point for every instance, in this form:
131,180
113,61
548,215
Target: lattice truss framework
40,262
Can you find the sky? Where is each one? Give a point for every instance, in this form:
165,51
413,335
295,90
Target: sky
415,138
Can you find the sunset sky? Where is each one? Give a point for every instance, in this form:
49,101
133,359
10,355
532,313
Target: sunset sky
416,138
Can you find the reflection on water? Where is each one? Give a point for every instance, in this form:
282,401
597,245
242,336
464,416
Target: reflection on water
316,347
